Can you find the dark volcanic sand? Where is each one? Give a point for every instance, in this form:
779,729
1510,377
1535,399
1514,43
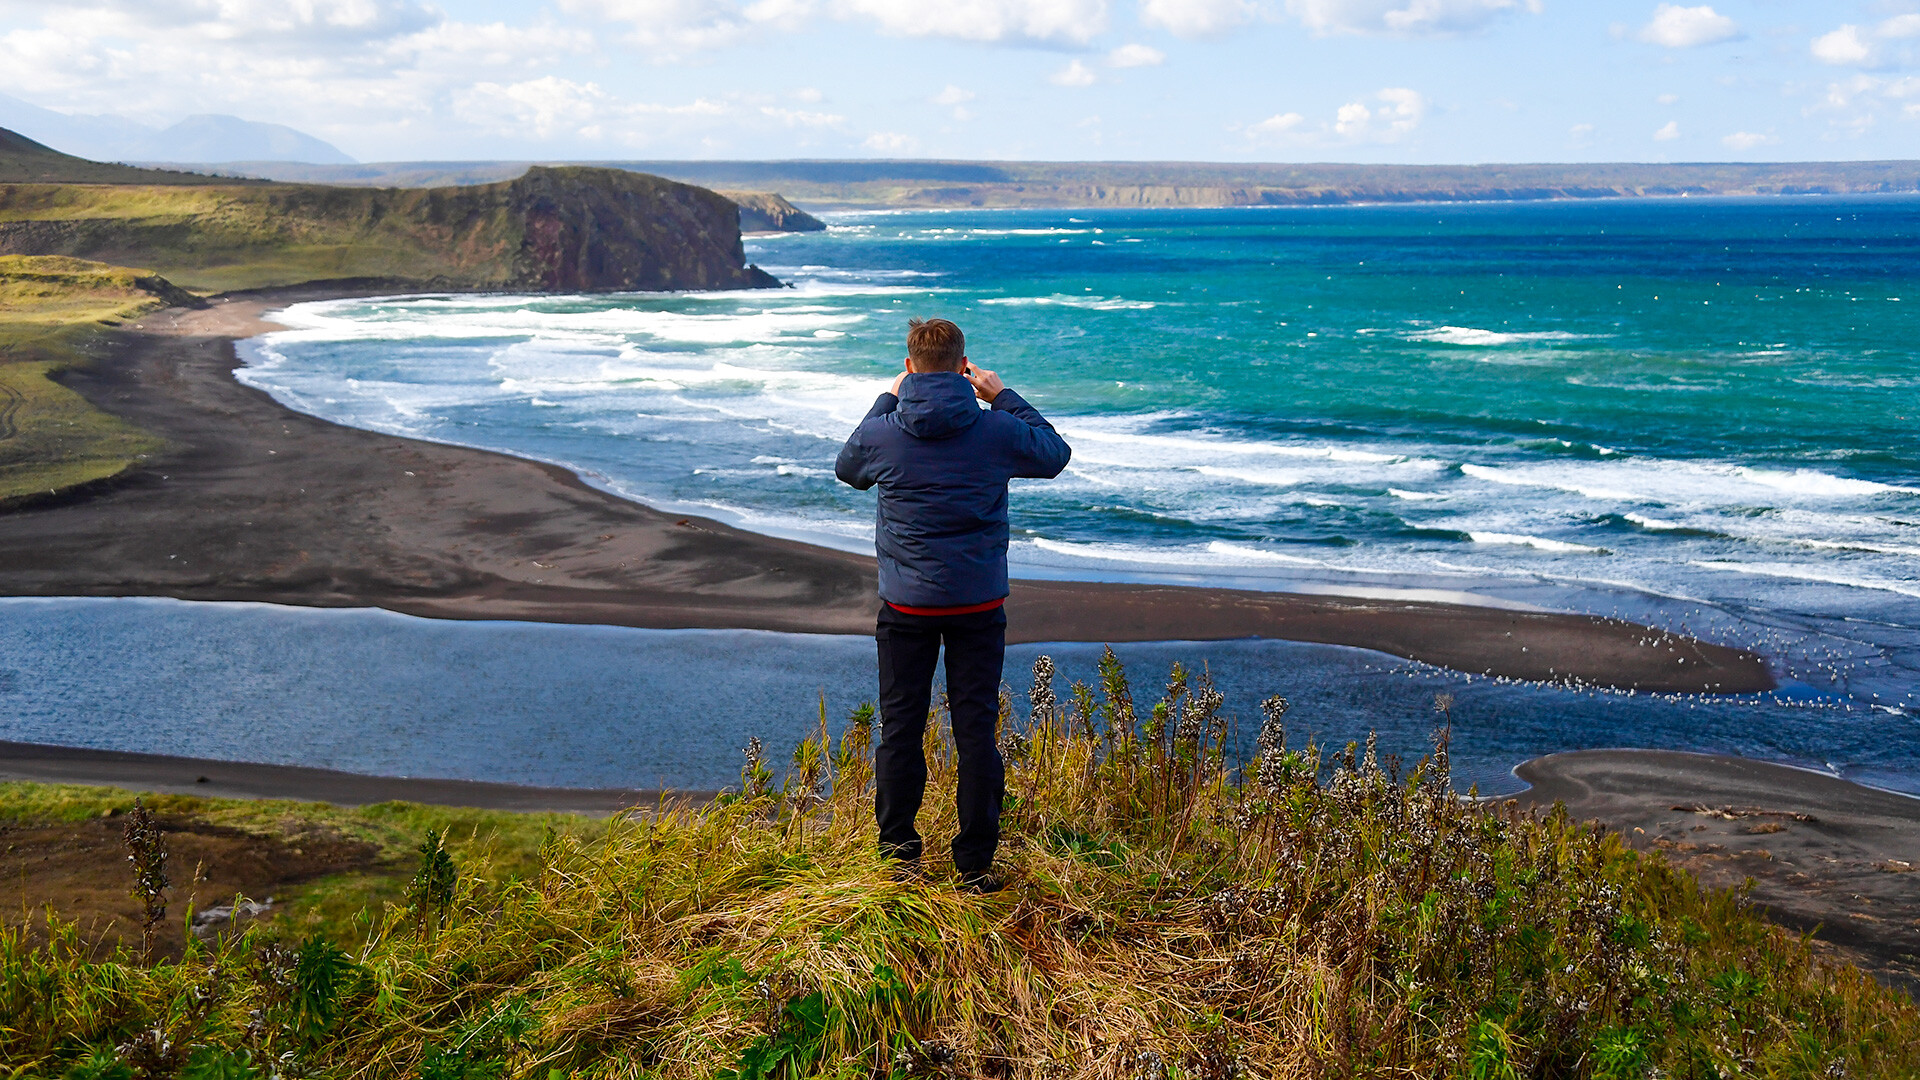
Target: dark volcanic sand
243,780
1822,852
256,502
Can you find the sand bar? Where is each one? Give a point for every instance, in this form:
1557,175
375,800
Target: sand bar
256,502
244,780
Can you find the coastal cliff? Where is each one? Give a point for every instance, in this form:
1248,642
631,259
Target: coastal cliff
763,211
570,229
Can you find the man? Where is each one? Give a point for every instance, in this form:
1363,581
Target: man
942,464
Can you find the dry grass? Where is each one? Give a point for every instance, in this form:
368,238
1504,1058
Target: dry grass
1169,915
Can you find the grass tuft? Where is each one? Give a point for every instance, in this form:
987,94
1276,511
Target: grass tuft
1172,913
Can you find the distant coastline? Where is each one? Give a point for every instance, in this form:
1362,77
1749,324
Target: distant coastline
927,184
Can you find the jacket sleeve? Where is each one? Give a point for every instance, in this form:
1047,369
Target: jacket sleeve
1039,452
853,466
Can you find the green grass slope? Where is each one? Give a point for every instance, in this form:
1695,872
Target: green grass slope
571,229
50,306
1315,915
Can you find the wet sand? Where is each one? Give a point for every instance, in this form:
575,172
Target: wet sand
244,780
1824,854
253,501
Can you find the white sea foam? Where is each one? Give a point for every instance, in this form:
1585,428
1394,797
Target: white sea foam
1797,572
1267,477
1214,448
1546,476
1813,482
1856,545
1088,303
1664,481
1655,524
1414,496
1469,335
1213,553
1541,543
606,326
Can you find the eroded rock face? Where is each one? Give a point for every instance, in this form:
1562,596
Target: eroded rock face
764,211
589,230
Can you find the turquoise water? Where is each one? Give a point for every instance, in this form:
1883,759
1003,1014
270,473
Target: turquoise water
1696,413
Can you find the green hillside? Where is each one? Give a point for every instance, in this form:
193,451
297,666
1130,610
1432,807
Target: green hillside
571,229
23,161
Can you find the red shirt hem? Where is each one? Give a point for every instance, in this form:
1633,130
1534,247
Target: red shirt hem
966,610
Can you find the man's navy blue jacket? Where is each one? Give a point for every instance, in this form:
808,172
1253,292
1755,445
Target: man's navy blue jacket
942,464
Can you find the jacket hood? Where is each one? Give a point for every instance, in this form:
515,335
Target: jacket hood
936,405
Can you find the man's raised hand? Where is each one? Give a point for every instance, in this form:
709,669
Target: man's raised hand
986,384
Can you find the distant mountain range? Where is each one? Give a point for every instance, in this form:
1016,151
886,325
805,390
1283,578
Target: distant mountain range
205,139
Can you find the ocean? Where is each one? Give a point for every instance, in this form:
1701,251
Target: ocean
1694,413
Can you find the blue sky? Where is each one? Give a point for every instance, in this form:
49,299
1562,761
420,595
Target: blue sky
1220,80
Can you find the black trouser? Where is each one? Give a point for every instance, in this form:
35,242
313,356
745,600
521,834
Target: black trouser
909,645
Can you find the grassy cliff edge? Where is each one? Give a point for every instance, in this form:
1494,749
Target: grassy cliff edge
1312,914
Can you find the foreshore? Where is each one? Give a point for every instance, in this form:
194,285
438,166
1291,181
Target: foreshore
215,779
253,501
1824,855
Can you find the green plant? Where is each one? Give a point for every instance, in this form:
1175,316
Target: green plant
99,1063
432,889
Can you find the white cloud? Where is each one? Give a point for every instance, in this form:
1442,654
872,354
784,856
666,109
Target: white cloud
891,142
955,98
1746,140
670,28
1403,17
1394,114
1074,22
1856,105
538,107
1074,74
1668,99
1133,56
1277,124
1668,132
1844,47
801,118
1196,18
1677,27
1900,26
551,106
361,67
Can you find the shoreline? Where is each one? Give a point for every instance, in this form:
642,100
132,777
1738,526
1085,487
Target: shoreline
1826,856
254,501
214,778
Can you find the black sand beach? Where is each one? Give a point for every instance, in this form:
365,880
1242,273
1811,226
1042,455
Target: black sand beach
253,501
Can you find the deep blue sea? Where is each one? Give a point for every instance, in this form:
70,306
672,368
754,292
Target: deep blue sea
1695,413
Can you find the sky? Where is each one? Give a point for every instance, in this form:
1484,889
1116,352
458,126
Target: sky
1418,81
